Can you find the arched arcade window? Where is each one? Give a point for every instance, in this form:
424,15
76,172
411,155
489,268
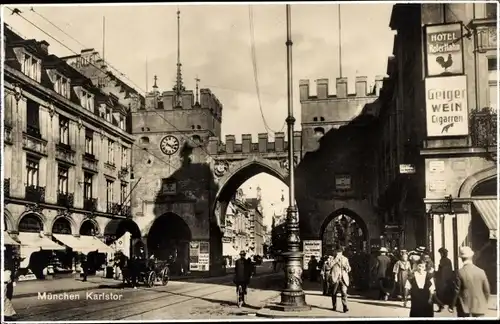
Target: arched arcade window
89,228
31,223
61,226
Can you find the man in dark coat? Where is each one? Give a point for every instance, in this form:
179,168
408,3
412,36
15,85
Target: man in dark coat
444,279
242,272
312,265
472,289
382,266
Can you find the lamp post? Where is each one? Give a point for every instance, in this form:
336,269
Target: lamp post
292,297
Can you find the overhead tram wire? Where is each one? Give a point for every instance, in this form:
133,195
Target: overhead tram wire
83,45
99,69
62,44
255,71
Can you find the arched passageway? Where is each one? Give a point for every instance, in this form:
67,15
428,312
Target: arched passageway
480,237
168,239
345,228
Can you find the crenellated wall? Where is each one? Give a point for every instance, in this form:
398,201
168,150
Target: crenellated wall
248,146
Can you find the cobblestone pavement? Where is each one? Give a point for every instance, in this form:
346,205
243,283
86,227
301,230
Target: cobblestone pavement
202,299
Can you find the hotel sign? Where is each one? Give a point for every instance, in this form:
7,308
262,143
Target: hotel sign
446,106
444,50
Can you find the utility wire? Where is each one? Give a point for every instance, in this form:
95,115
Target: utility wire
83,45
255,69
17,11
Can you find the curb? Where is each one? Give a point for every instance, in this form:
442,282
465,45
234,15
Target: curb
118,285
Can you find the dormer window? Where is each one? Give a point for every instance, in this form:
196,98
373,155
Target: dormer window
122,122
61,86
87,100
32,67
108,115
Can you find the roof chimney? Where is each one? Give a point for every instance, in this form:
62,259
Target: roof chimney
44,46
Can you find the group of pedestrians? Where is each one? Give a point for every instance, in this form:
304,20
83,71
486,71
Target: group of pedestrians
411,276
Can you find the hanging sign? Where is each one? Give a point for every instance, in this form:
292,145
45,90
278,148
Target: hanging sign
444,50
446,106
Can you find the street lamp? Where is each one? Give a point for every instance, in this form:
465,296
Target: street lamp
292,297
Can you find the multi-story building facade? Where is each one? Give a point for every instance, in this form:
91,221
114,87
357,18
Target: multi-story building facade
63,160
455,171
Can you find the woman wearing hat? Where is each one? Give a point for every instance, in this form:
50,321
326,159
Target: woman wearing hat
421,288
401,271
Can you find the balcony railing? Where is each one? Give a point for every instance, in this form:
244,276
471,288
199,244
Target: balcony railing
483,124
65,153
118,209
65,199
34,143
90,204
6,187
90,162
35,193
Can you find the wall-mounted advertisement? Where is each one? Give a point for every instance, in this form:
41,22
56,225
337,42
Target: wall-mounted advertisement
446,106
310,248
444,48
199,256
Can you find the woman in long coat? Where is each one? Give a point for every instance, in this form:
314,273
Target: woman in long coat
401,270
422,288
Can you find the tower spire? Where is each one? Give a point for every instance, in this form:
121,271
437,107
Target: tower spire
197,102
178,85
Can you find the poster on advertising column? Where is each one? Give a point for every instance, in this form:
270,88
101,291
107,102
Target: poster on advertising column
446,106
310,248
444,50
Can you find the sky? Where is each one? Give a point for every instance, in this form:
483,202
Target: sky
215,46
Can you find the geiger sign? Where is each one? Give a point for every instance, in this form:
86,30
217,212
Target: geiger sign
446,106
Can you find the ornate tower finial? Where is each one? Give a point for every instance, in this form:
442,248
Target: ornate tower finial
155,87
197,90
178,85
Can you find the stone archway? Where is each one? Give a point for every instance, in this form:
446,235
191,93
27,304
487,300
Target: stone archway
346,228
8,221
168,239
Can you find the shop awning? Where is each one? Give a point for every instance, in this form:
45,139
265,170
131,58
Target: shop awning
488,210
8,240
35,240
228,250
73,242
98,244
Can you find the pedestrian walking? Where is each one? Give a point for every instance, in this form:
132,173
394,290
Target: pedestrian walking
312,265
8,289
325,275
85,267
339,278
421,288
472,289
444,280
401,270
382,265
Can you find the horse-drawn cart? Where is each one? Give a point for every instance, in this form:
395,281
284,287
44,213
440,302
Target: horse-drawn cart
147,272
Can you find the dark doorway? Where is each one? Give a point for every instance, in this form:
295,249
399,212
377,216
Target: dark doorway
168,240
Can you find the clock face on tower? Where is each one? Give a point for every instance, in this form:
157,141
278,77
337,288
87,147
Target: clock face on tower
169,145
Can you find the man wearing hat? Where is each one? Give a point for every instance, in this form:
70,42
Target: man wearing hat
444,279
472,289
339,278
382,265
242,272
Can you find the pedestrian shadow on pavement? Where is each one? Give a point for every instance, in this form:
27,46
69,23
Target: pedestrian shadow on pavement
380,303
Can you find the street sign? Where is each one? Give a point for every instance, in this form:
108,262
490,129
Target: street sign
407,169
